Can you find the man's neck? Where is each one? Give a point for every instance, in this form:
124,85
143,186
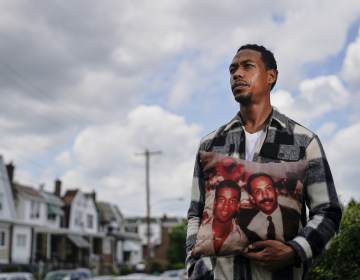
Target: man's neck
221,229
255,116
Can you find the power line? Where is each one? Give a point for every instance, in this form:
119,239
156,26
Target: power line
23,83
28,86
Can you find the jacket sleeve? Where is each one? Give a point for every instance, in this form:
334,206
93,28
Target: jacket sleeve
322,201
197,267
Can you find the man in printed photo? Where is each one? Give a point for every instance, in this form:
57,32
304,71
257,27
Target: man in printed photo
220,234
270,220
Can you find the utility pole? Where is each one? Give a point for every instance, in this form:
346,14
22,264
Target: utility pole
147,155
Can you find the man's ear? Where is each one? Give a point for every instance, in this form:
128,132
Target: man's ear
272,76
252,200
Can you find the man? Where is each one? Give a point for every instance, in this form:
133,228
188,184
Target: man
281,223
219,235
260,133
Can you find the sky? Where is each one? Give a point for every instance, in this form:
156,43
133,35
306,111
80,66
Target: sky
87,86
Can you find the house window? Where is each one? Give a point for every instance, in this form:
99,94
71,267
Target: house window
2,239
1,201
79,218
21,240
52,217
35,210
90,221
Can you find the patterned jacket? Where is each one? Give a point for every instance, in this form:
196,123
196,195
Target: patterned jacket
286,141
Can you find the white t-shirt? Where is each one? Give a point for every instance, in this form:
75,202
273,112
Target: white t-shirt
252,141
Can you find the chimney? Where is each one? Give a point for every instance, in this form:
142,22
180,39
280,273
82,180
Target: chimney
10,168
57,191
93,195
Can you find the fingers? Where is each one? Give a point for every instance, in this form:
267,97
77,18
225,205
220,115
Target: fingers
257,256
261,244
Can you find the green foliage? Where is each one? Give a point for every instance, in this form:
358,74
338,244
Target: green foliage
176,252
154,267
342,260
126,269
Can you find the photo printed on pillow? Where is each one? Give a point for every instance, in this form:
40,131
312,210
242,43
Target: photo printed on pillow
248,201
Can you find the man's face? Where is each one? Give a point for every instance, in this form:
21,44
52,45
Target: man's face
250,81
226,204
263,194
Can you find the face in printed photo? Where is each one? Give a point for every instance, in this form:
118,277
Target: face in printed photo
263,193
226,203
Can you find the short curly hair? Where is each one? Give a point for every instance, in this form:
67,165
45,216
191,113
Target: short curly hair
266,56
228,184
254,176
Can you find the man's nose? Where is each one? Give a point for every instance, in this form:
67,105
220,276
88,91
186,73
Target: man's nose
239,73
267,194
227,204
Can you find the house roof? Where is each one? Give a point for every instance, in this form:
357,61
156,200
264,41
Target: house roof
52,199
127,236
108,212
28,191
138,220
69,196
168,221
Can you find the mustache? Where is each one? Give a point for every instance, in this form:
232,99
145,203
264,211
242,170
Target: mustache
240,83
266,200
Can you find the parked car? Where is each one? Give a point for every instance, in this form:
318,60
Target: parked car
72,274
103,277
84,272
178,274
16,276
137,276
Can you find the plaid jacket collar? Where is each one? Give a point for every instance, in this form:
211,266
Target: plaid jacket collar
276,120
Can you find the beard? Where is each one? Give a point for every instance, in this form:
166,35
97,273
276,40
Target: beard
244,100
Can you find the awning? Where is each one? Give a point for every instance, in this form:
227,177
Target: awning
131,246
55,210
78,241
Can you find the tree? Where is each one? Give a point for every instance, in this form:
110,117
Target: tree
342,260
176,252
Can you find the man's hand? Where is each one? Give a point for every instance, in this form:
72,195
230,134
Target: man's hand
271,254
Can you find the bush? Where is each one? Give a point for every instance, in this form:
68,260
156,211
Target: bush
342,260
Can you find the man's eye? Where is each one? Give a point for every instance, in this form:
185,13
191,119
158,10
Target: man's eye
248,65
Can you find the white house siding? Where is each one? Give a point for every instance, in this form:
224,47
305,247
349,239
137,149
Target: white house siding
81,207
119,252
135,250
42,219
7,210
21,244
21,208
4,242
155,237
54,223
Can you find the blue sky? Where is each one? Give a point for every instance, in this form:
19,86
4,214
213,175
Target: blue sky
87,85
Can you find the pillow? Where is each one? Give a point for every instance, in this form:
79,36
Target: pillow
248,201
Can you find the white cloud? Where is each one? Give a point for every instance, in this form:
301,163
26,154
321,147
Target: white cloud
69,80
105,159
184,86
351,64
343,153
327,130
316,97
64,159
